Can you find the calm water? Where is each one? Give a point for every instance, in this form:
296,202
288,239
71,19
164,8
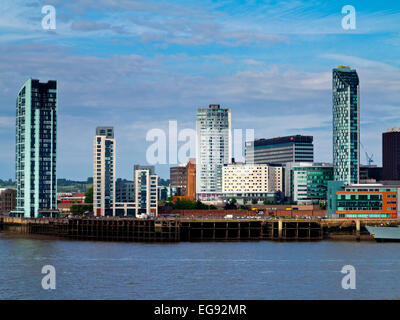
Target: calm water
245,270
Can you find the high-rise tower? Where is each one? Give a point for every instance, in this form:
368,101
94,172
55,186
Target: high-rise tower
104,172
213,126
346,125
391,154
36,149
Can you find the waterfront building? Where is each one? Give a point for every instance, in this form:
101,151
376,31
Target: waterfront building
346,125
374,201
280,150
124,191
36,149
8,200
164,192
71,197
146,190
125,209
250,181
213,125
307,182
183,178
391,154
104,172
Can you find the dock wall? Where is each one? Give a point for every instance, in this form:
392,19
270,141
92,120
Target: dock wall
187,229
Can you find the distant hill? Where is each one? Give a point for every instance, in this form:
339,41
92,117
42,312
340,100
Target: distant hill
63,185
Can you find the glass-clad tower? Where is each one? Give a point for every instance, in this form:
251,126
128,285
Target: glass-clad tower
213,127
104,172
36,149
346,125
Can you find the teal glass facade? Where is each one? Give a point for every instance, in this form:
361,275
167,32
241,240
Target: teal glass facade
36,148
312,182
307,182
346,125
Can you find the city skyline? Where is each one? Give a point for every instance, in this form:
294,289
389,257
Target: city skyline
275,74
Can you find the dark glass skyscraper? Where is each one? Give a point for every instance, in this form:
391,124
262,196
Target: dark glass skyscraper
36,149
346,125
391,154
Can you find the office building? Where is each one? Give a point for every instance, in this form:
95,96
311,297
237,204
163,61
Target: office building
391,154
124,191
213,125
36,149
366,201
8,200
251,181
146,190
346,125
280,150
104,172
307,182
183,178
164,193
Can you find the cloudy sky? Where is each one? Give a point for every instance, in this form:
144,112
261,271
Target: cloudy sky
135,65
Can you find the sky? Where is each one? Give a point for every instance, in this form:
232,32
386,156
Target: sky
136,65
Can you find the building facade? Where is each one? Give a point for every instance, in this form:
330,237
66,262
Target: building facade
391,154
146,190
346,125
104,172
280,150
36,149
307,182
256,181
183,178
124,191
214,143
366,201
8,200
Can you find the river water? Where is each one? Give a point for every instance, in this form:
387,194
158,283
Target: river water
211,270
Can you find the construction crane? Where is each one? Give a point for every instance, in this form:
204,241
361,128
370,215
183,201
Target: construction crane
370,159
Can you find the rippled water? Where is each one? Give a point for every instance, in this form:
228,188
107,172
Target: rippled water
239,270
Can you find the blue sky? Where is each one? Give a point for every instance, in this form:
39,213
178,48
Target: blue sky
135,65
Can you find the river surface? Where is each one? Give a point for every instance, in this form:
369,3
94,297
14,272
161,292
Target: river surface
211,270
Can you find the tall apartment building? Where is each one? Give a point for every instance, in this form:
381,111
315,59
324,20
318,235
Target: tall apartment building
307,182
36,149
214,143
391,154
8,200
146,190
346,125
251,181
280,150
183,178
104,172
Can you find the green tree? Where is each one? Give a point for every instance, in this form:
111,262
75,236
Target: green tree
89,195
79,210
254,201
265,202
